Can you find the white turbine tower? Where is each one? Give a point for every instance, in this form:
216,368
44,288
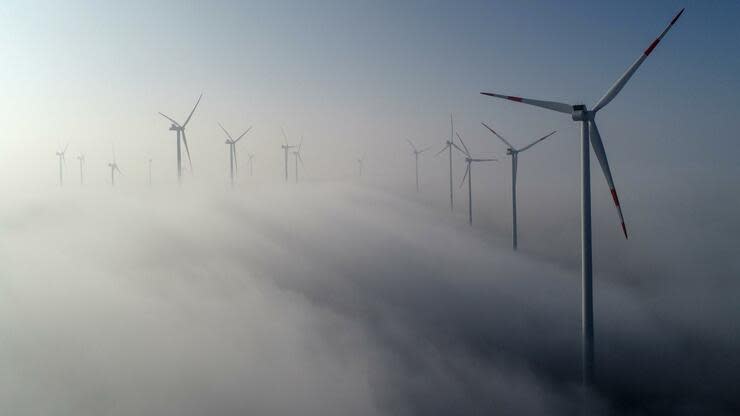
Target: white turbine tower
514,153
81,158
62,162
286,147
231,142
297,156
150,172
590,136
417,152
180,130
113,169
469,175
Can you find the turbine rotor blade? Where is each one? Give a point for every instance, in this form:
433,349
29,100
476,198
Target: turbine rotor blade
622,81
412,145
236,161
424,149
550,105
193,111
170,119
498,135
245,132
536,141
458,148
467,152
227,133
467,171
187,150
285,136
598,147
442,151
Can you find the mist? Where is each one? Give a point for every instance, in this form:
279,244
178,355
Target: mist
342,298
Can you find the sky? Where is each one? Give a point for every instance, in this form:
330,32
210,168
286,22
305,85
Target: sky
357,295
358,77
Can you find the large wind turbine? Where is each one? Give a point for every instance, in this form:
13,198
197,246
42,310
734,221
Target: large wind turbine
231,142
81,158
514,153
297,156
590,133
417,152
286,147
469,175
180,130
449,144
113,169
62,162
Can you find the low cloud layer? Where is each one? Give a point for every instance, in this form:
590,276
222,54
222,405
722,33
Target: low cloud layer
338,299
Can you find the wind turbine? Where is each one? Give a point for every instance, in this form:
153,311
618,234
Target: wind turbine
113,169
62,161
297,155
251,163
180,130
469,175
231,142
417,152
589,132
150,171
449,144
81,158
286,147
514,153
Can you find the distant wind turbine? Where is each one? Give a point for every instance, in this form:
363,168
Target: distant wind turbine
360,165
251,163
514,153
469,175
81,158
590,137
180,130
286,147
113,169
62,162
297,156
231,142
449,144
150,171
417,152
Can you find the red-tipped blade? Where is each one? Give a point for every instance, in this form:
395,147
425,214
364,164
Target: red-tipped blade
622,81
550,105
598,147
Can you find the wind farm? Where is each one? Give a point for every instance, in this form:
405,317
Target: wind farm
435,249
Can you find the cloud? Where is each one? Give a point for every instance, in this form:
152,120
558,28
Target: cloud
337,299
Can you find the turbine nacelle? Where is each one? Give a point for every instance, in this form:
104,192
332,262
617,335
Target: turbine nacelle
581,113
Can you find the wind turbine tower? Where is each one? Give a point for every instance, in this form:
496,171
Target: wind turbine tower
81,158
514,153
286,148
590,137
417,152
469,175
231,142
180,130
62,162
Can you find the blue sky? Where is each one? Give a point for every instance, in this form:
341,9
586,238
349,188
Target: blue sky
363,76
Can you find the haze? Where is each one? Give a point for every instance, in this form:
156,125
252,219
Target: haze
342,294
